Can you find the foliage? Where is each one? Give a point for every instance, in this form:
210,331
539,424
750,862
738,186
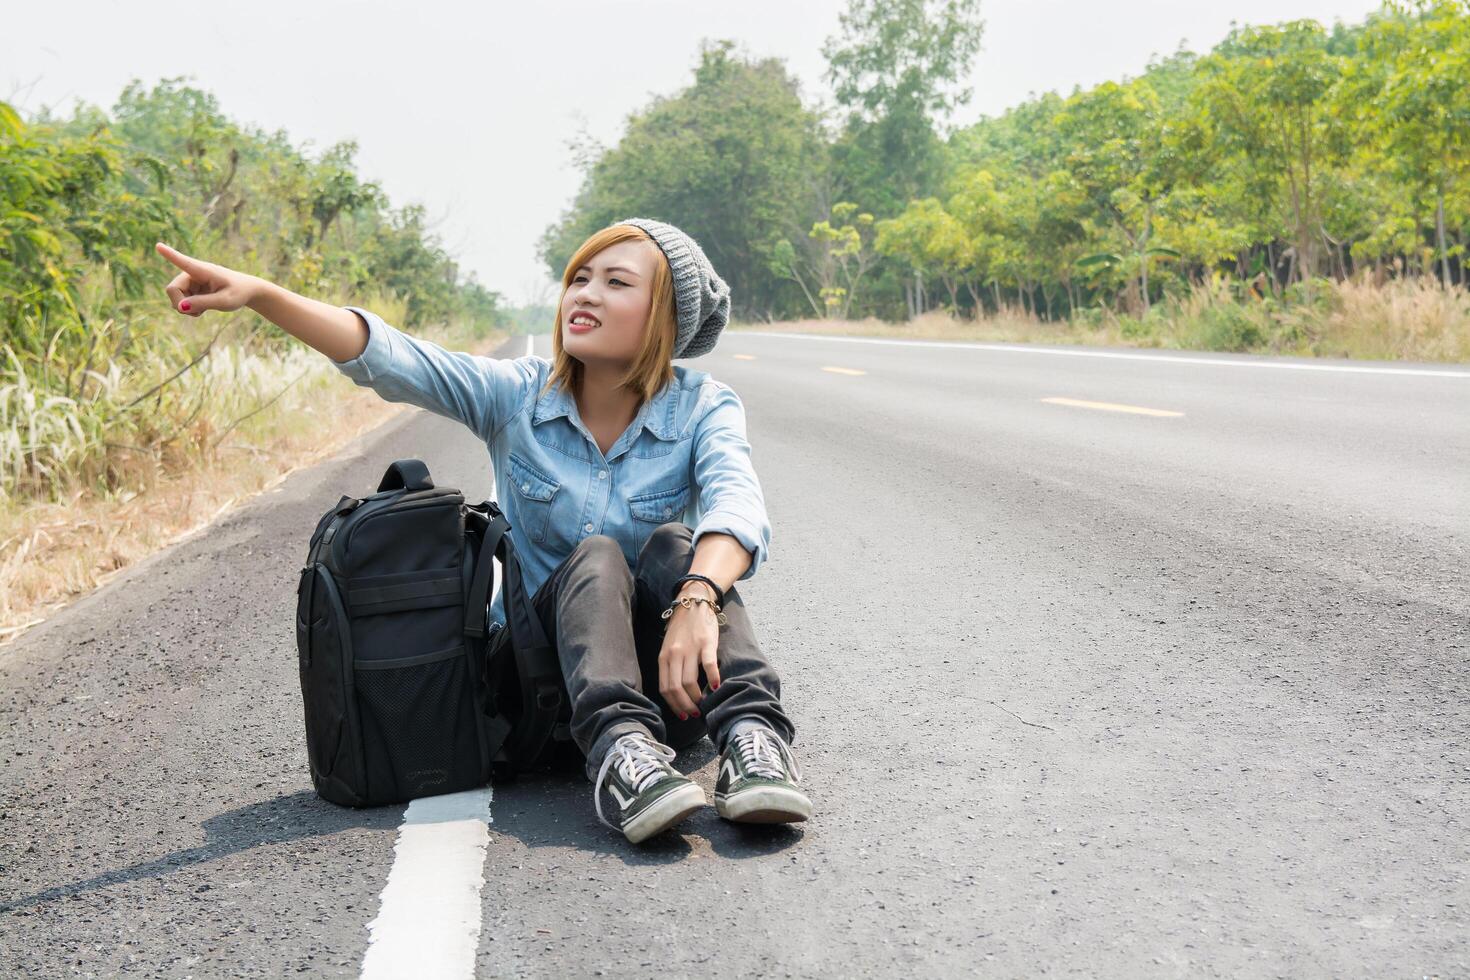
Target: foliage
731,160
1288,156
91,356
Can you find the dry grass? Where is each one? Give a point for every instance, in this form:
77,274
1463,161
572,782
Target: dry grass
1402,320
1011,327
54,550
1411,321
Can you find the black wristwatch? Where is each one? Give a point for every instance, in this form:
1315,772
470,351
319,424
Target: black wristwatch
694,577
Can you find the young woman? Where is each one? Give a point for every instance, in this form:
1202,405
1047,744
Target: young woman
600,455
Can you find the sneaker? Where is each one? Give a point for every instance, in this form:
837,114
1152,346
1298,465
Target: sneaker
757,781
651,795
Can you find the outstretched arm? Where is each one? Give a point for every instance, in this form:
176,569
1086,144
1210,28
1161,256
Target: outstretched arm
202,286
481,392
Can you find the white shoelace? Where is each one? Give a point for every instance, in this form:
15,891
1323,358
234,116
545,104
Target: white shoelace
640,760
763,752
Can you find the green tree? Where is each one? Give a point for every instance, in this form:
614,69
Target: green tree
1407,89
736,160
835,266
897,67
1120,160
1267,90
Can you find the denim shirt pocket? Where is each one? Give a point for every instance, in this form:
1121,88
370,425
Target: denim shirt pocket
656,507
533,490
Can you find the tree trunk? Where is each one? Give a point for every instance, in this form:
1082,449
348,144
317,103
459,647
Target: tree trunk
1444,255
1148,215
975,298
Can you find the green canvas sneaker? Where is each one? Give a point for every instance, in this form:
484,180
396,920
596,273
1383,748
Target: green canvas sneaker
758,777
651,795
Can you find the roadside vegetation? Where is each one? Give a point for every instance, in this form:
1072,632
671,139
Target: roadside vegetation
123,424
1253,197
1408,319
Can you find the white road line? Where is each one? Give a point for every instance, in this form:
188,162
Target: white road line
1163,358
1114,407
428,925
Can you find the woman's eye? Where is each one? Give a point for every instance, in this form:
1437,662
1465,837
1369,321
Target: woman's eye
618,281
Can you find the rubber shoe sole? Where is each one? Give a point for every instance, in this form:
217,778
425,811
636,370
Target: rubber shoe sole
765,804
664,812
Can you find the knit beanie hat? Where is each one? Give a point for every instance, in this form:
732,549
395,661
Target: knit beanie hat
701,298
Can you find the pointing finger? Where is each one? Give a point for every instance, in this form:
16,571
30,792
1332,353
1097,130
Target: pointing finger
190,265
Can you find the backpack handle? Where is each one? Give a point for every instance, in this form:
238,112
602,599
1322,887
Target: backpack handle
406,474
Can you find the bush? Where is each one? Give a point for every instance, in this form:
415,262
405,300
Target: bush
1227,327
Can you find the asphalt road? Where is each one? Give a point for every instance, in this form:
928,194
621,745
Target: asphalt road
1078,691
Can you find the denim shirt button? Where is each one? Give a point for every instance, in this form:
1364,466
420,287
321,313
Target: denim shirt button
602,474
588,527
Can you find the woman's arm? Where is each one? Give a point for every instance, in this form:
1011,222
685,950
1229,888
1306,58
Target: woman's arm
730,497
337,332
480,392
201,286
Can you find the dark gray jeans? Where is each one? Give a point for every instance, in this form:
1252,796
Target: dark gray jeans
604,620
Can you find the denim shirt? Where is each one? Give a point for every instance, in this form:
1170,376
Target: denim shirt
684,457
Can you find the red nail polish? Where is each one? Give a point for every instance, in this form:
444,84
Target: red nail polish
683,717
696,714
184,306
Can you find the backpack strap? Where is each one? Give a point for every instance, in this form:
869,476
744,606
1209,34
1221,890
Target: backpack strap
495,727
537,667
477,603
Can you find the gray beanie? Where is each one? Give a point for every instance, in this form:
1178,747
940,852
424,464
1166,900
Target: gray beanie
701,298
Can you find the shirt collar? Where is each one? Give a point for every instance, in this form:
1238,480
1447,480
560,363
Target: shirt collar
656,415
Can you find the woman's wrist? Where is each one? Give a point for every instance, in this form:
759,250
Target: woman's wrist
256,290
696,587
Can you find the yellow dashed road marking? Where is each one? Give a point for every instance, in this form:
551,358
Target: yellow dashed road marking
1110,407
743,357
838,370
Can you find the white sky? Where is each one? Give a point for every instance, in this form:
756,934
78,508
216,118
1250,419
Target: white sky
467,107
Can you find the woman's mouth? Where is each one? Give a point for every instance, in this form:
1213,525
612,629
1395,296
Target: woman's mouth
582,322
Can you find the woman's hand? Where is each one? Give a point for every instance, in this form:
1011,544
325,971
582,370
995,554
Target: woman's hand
205,286
691,641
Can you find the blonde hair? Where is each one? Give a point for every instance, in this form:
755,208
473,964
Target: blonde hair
653,365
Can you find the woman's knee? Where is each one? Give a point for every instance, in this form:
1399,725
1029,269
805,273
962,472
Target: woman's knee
601,552
601,545
668,542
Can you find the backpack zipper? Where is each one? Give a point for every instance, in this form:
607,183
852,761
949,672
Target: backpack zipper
437,499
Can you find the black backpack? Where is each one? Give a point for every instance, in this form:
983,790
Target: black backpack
405,692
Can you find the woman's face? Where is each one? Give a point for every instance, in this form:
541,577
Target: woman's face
615,290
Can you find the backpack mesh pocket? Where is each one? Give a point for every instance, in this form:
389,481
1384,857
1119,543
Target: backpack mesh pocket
418,725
